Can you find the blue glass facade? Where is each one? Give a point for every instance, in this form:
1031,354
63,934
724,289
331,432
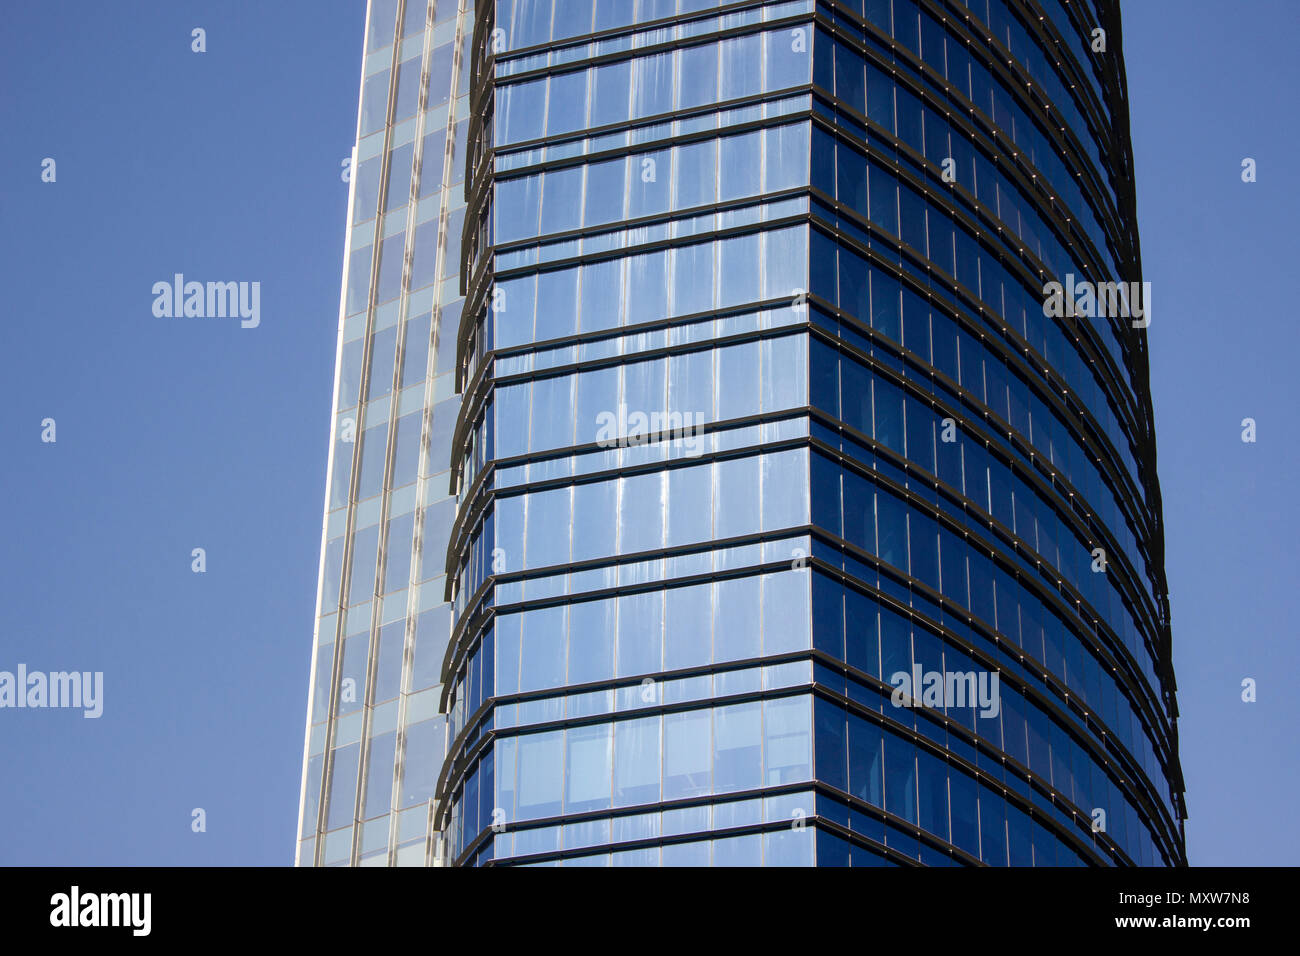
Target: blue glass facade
375,736
761,416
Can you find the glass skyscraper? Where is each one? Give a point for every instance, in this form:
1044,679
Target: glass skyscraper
375,736
779,517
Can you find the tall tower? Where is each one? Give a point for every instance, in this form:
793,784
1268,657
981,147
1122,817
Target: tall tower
375,738
783,437
798,522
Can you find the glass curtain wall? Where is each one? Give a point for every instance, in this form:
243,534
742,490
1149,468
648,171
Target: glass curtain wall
787,526
375,735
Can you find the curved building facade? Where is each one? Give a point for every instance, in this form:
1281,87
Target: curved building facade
796,522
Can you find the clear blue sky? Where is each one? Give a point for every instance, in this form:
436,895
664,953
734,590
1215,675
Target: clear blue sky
174,435
1208,87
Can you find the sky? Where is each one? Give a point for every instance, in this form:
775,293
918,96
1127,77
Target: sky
170,435
175,435
1208,88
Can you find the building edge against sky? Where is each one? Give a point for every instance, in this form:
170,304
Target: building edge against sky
375,738
812,241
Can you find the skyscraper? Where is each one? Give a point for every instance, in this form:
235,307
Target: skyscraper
375,737
798,518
